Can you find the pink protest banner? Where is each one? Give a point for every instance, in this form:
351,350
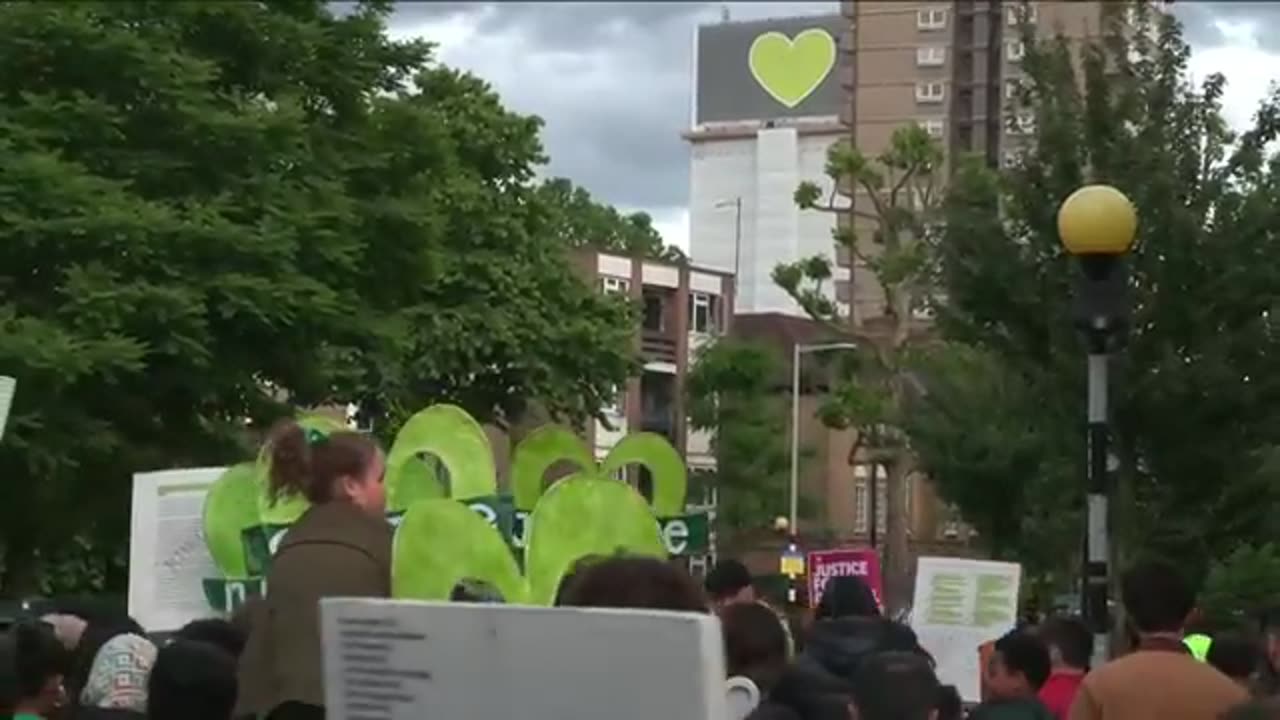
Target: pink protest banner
827,564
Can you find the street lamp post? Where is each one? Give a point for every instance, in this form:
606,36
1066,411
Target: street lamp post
1097,224
797,351
736,204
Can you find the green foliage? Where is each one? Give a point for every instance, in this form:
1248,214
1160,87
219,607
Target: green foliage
896,196
902,185
1194,396
209,209
579,221
1000,468
1242,585
731,392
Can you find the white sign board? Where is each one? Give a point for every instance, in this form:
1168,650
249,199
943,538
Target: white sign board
7,386
168,559
959,605
404,660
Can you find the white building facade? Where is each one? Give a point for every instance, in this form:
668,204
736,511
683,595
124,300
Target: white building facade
765,110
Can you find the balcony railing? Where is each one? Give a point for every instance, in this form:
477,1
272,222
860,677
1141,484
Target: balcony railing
657,347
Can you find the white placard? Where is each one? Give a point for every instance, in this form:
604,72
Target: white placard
7,387
959,605
168,559
403,660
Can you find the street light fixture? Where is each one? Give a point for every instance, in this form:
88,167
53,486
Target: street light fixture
1097,224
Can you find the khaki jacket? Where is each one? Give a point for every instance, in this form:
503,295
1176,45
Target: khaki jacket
1156,683
333,550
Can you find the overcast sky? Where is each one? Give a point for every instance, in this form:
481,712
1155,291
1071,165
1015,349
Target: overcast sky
612,80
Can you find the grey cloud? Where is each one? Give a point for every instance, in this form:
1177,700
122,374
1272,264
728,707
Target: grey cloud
619,139
562,25
1198,21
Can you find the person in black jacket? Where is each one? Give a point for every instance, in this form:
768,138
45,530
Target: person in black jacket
839,646
810,693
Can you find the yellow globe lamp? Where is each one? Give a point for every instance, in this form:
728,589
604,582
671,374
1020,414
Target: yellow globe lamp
1097,220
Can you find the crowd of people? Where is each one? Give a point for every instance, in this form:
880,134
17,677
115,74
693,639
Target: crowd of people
89,665
846,662
850,662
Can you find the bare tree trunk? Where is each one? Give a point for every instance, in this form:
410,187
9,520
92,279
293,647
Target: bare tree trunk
897,559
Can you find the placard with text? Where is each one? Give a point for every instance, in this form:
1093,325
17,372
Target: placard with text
407,660
824,565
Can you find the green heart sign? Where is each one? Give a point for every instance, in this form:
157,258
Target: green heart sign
461,529
790,70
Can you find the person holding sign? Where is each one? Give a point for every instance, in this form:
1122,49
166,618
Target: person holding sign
339,547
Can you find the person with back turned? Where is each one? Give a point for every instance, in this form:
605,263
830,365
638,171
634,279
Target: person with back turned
1160,680
1070,646
340,547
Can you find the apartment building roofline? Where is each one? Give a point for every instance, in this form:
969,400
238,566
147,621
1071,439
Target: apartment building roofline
746,129
588,252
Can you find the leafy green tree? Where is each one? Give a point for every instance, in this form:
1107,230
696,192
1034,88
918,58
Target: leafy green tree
1242,585
582,222
1196,403
732,393
1007,472
208,210
890,202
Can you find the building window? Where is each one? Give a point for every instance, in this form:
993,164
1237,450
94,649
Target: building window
930,92
617,285
1024,122
931,19
1011,89
936,127
1014,50
654,313
931,56
844,291
704,313
1016,14
861,498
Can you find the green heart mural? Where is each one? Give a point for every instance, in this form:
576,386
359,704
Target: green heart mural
790,70
457,527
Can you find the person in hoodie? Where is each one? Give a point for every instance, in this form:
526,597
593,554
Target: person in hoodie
848,628
847,596
1018,668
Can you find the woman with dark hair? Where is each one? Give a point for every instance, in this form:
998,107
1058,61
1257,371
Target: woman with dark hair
340,547
117,685
632,582
101,627
755,651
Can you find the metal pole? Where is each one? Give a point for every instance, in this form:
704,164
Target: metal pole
873,499
737,241
795,438
1095,586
